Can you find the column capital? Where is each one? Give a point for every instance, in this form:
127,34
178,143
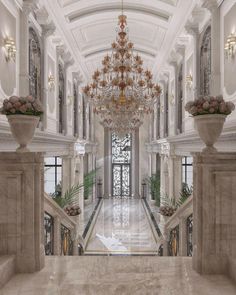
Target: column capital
78,77
192,29
29,6
173,63
180,49
48,29
210,5
69,63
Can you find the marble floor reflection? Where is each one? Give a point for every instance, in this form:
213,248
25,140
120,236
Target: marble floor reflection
122,227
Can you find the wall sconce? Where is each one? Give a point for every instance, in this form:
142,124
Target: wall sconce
230,46
70,100
10,47
51,82
189,81
172,99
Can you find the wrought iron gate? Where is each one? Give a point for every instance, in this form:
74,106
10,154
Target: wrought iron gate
121,165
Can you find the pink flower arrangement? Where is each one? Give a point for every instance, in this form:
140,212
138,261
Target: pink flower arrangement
22,105
209,105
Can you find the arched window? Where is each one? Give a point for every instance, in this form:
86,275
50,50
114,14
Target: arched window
61,96
158,130
205,63
34,65
167,110
84,119
180,98
75,109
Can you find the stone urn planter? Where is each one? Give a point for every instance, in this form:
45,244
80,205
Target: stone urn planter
23,128
209,128
209,114
23,114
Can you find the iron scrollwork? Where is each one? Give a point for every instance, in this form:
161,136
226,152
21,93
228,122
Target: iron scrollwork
174,241
66,241
48,233
205,63
34,65
121,165
190,235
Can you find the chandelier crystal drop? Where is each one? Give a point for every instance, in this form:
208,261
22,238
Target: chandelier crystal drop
122,92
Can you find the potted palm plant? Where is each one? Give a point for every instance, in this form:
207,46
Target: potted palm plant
209,115
154,187
69,201
23,115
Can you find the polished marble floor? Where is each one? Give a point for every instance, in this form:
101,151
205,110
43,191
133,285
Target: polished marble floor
122,227
119,275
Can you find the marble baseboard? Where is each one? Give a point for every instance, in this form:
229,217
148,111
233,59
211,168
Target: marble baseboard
7,269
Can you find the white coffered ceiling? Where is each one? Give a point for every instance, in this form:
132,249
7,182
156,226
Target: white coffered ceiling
89,27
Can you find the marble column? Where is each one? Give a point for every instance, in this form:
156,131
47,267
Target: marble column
27,8
68,62
47,31
79,178
90,168
193,30
80,116
175,176
135,164
212,6
155,123
174,64
214,207
57,235
164,176
68,172
88,122
22,209
166,234
107,163
182,237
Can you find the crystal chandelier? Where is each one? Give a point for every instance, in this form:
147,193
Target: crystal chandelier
122,91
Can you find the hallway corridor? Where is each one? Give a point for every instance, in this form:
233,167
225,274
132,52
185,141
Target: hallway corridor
122,227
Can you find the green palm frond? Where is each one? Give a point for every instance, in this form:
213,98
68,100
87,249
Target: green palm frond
71,195
154,184
185,193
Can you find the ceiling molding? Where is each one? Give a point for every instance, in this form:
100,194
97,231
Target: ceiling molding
108,49
149,11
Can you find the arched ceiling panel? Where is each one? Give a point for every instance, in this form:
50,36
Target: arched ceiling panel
89,27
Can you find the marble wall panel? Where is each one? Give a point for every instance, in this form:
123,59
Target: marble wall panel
8,69
230,63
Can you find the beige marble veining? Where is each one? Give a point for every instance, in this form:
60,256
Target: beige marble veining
88,275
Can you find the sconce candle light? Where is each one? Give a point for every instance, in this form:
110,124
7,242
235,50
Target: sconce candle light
51,82
230,46
10,47
189,81
172,99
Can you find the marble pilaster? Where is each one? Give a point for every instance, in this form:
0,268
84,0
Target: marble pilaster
212,7
21,210
68,172
57,235
193,30
47,31
27,8
174,64
214,208
182,237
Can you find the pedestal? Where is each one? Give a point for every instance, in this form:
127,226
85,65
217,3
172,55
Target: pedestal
214,217
21,210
